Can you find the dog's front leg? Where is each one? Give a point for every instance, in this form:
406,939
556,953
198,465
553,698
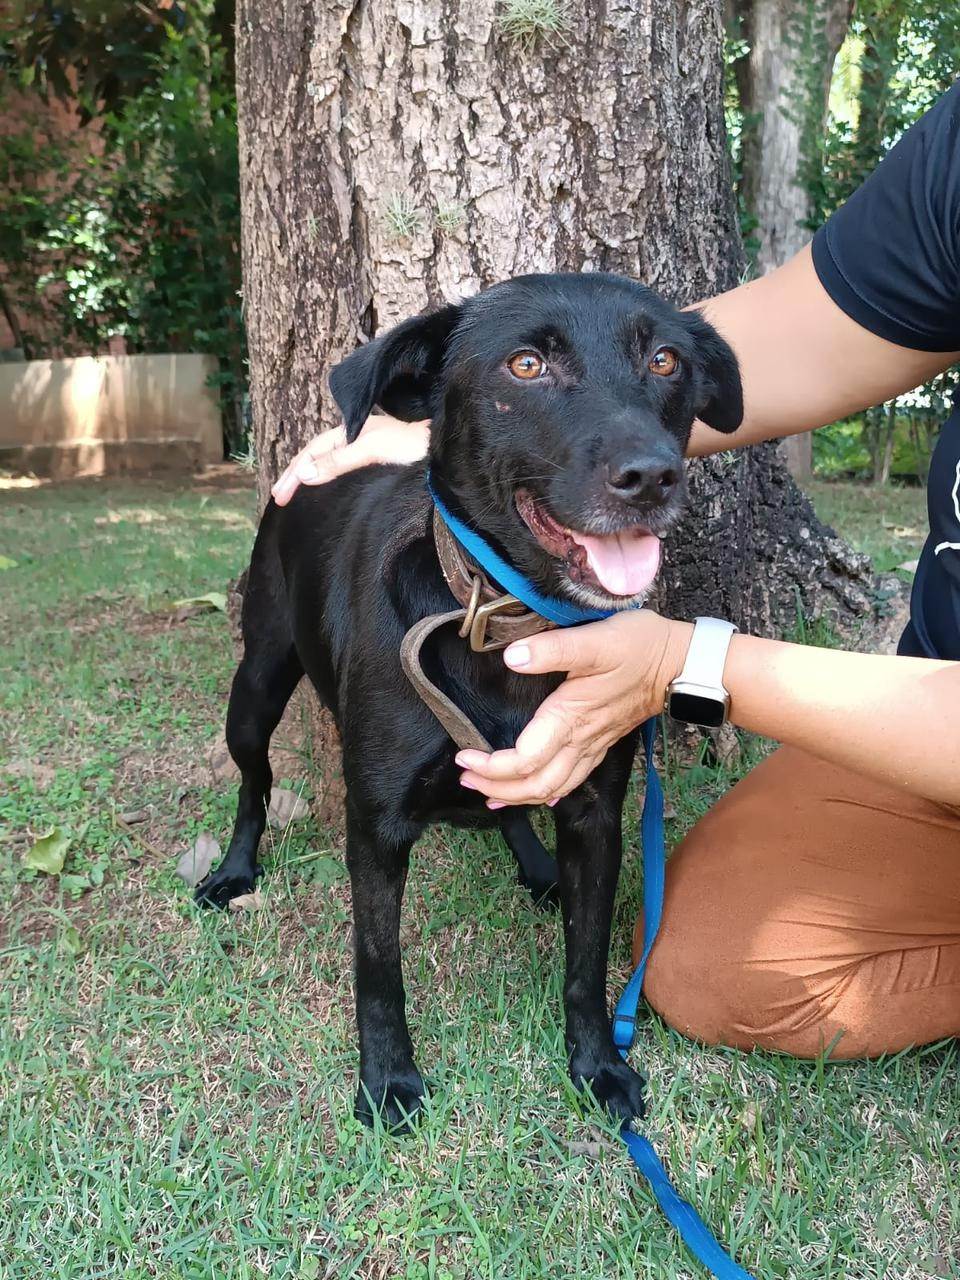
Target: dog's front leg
588,854
389,1080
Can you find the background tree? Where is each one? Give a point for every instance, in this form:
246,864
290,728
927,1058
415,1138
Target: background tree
129,224
395,155
783,72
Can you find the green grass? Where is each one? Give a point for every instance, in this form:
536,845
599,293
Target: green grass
888,523
175,1099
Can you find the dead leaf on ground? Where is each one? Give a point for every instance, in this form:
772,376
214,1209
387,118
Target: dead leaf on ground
286,807
133,816
195,863
222,767
247,902
749,1116
909,566
591,1150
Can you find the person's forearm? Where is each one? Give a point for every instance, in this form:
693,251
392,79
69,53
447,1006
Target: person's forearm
891,718
803,361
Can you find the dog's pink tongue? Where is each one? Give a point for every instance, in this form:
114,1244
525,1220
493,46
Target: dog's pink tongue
624,563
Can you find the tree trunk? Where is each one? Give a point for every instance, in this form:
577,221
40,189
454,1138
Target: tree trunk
394,155
784,87
784,84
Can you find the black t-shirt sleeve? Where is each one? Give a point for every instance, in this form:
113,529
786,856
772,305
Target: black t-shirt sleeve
890,257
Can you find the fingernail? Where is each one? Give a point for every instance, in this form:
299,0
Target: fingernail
466,782
518,655
468,759
307,471
551,803
496,804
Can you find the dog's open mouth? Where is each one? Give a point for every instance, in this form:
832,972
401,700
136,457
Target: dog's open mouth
624,563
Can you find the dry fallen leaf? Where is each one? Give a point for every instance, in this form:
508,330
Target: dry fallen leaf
132,816
196,862
220,761
286,807
749,1116
247,902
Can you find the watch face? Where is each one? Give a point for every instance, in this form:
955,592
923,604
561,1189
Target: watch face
694,708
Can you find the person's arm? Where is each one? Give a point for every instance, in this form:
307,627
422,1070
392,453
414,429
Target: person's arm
804,362
891,718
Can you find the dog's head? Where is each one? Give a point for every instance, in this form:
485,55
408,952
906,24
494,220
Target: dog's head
561,409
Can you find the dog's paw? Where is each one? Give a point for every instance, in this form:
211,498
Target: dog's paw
221,886
396,1097
615,1086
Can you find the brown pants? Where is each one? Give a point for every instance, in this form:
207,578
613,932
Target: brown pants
813,908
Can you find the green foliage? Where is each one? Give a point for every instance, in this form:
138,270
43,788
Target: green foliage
898,58
99,51
137,235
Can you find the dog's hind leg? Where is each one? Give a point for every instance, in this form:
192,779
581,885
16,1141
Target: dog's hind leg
261,691
536,868
265,679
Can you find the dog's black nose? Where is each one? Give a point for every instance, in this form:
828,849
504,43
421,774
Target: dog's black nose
643,477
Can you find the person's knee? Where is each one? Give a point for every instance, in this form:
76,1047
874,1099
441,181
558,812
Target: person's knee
729,998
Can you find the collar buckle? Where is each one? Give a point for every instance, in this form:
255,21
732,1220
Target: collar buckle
478,617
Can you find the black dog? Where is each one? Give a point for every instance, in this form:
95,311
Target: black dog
561,406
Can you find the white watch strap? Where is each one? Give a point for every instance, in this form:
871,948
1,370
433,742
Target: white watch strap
707,654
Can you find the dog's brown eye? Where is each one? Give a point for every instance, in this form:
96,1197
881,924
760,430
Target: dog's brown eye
663,362
526,364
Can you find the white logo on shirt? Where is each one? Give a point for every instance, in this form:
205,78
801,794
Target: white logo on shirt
955,495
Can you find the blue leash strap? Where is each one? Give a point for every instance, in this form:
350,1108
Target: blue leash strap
693,1231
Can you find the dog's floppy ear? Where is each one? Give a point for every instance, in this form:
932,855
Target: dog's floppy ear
397,371
720,399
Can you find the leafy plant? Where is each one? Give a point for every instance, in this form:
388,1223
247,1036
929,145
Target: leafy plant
402,216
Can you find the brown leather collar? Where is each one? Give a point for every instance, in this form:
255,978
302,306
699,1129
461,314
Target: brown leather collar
492,619
489,618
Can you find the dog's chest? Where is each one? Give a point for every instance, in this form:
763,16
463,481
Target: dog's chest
435,793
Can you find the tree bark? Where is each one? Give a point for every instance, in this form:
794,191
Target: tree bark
784,88
396,155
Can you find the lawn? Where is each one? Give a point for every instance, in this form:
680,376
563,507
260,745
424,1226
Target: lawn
888,522
176,1092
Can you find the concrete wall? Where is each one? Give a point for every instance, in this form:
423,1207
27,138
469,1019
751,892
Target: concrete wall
107,414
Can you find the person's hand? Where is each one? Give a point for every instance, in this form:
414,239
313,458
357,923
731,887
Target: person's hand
618,669
382,439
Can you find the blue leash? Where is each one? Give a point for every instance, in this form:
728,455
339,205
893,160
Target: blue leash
694,1232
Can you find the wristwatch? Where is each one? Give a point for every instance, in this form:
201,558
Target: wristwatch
698,696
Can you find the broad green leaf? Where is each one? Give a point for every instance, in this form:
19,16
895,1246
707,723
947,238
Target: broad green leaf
329,870
7,563
49,853
212,600
75,884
